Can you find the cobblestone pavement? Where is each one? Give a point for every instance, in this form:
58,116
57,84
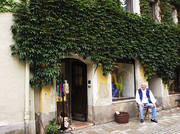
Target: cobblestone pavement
174,129
168,123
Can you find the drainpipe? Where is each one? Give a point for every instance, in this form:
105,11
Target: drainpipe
26,113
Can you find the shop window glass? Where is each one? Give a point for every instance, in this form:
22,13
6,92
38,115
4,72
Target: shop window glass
123,81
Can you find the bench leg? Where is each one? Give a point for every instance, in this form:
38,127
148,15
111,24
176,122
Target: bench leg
147,112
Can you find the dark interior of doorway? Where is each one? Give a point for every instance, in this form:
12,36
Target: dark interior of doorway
75,105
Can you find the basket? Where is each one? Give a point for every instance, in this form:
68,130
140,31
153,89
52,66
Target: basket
123,117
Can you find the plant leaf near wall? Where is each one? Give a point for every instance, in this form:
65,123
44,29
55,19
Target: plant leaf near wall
46,31
145,8
166,12
7,5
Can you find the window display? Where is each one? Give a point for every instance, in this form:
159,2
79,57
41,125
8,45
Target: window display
123,81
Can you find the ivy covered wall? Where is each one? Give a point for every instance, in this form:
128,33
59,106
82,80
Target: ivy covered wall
47,30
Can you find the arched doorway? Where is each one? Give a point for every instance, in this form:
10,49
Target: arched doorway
75,105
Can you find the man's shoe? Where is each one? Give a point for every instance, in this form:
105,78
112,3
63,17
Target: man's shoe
142,121
154,120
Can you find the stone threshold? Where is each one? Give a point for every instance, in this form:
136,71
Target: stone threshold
79,125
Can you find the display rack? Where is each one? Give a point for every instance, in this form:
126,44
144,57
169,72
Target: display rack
63,95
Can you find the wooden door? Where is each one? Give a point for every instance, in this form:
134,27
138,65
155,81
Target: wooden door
79,91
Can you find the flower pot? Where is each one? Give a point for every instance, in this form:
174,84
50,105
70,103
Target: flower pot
50,132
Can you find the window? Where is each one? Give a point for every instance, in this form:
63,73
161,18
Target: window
127,5
123,85
152,5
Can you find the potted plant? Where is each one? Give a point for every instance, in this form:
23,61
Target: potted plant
52,128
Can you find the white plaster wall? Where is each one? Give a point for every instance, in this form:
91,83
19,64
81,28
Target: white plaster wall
89,91
137,74
12,81
156,86
90,76
12,76
94,87
13,128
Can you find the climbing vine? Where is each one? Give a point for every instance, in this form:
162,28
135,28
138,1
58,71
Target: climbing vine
7,5
145,8
46,31
166,12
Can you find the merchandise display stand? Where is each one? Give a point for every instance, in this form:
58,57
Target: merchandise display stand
63,95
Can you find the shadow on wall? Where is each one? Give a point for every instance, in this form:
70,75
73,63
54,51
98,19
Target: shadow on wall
159,101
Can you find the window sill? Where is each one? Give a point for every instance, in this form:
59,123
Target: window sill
124,100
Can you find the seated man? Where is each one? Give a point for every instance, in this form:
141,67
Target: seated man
144,97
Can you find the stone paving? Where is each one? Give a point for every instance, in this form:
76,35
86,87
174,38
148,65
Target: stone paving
168,123
174,129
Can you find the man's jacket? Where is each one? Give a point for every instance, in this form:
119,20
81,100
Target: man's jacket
147,94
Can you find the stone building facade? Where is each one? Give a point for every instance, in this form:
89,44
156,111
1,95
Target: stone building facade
27,110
